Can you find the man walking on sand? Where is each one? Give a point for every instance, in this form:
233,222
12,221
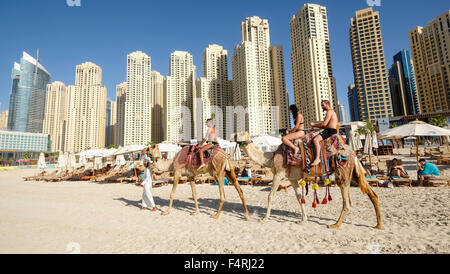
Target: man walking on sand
330,128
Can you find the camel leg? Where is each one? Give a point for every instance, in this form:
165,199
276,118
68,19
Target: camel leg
232,178
220,180
275,184
374,198
194,195
345,191
299,199
176,180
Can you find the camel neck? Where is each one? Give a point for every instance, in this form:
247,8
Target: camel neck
257,156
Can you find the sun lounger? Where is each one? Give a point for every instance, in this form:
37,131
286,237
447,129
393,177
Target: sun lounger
36,177
437,182
114,171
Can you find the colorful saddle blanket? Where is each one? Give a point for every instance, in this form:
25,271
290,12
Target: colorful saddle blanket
332,147
191,155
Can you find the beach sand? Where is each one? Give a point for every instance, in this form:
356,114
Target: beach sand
81,217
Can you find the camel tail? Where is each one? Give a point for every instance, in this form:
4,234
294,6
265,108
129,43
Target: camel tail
360,178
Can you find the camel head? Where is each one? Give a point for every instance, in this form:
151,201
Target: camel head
240,137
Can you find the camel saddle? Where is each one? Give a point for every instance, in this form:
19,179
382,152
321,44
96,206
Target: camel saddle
190,155
334,147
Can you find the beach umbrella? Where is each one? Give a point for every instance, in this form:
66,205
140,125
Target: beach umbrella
374,140
71,161
61,160
415,129
41,161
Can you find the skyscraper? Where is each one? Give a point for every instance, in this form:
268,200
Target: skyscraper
342,114
403,86
56,115
157,107
113,124
121,96
369,66
86,114
138,104
213,90
179,89
430,48
27,98
279,86
108,122
353,103
311,62
253,90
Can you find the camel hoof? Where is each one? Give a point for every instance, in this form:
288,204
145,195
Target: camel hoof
195,213
265,220
335,226
165,213
302,222
215,216
248,218
379,227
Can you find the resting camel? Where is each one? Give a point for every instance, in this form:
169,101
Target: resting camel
352,170
219,167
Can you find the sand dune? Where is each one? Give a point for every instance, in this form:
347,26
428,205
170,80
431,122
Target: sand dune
40,217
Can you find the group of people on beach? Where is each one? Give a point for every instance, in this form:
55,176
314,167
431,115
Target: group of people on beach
330,128
329,125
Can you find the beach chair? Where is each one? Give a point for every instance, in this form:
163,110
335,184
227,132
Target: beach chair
396,180
36,177
437,182
114,171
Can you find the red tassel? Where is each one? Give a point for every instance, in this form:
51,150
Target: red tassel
325,201
314,205
303,200
329,198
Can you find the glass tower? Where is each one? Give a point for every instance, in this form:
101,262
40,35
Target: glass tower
408,86
27,98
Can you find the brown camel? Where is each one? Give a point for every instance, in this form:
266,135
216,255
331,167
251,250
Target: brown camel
351,170
219,167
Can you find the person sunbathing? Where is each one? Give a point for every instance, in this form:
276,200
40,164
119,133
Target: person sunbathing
297,132
397,170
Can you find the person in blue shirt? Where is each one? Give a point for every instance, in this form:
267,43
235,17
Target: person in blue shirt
427,170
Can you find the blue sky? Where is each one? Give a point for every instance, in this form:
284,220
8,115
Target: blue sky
105,31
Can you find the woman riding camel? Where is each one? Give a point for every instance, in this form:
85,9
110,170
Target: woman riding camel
297,132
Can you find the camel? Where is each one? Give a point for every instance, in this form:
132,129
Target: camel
352,170
219,167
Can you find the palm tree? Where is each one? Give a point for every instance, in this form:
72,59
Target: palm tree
439,121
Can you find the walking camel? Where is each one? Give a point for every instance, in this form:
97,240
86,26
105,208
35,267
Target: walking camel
219,166
352,170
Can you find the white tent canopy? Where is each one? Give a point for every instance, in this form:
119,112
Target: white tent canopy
130,149
165,147
267,143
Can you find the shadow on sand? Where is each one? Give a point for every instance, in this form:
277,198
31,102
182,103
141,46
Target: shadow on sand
235,209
